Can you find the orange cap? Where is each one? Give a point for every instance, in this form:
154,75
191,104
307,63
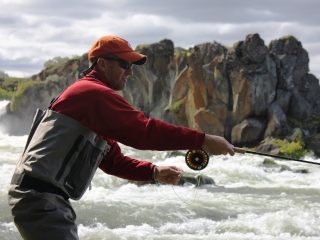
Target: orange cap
117,46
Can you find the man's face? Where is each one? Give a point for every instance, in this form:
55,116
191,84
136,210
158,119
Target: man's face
117,72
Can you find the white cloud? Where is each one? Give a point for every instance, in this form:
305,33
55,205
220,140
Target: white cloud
33,31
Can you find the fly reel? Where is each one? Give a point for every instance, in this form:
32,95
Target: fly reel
197,159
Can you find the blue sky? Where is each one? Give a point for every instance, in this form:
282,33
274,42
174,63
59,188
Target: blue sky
33,31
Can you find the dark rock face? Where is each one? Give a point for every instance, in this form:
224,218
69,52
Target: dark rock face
245,93
292,61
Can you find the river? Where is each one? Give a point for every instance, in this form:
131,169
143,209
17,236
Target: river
248,201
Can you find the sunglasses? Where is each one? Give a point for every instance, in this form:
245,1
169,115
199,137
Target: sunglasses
122,63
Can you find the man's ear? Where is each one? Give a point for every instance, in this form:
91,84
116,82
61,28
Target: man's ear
101,64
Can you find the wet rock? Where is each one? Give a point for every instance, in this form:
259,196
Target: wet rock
271,166
195,179
268,148
248,131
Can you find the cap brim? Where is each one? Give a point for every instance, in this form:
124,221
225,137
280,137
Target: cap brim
134,57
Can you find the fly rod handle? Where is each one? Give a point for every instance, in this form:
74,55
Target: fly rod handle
239,150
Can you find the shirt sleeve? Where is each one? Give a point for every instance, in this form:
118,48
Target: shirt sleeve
125,167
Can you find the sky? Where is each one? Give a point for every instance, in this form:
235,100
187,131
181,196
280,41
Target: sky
34,31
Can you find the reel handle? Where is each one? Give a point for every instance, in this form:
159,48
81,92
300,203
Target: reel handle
239,150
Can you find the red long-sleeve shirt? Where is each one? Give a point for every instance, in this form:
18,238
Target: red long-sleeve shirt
91,102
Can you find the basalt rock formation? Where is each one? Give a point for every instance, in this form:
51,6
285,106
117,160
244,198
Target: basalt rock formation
246,93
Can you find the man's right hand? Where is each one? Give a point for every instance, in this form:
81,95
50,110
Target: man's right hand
217,145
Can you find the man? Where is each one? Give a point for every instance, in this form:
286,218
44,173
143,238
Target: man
80,132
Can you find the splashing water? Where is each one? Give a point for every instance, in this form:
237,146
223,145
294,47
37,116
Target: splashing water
3,105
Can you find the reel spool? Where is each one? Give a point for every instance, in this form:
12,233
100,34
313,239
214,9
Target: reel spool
197,159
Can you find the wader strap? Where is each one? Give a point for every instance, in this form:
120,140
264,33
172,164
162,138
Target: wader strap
34,127
16,179
25,181
53,100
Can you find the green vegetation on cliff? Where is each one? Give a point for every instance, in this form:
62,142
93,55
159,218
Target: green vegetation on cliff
288,37
293,149
182,52
176,105
57,62
20,97
33,91
5,95
8,85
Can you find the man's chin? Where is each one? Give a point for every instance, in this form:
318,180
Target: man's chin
120,88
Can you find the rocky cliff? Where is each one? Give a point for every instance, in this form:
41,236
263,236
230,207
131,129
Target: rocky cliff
246,93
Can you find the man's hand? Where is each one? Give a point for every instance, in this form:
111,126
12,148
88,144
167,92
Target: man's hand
217,145
167,174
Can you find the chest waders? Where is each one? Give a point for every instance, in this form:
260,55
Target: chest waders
60,152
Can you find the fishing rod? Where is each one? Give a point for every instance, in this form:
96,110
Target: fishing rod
199,159
243,151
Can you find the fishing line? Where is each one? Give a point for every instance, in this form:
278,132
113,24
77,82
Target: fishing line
195,160
198,184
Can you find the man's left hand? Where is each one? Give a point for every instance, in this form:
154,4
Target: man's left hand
168,174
